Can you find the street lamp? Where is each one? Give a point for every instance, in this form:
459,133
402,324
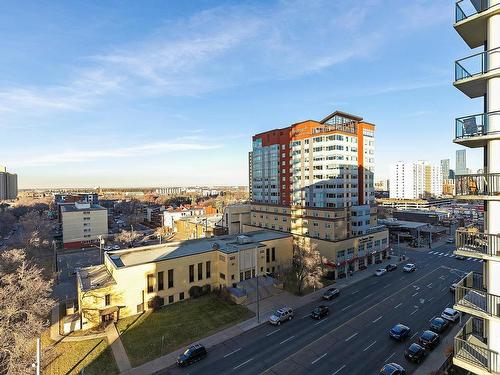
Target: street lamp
101,242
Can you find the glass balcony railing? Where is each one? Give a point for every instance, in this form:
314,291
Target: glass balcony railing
470,347
475,65
486,184
474,125
471,295
467,8
476,243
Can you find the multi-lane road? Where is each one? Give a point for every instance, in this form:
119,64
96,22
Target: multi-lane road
354,338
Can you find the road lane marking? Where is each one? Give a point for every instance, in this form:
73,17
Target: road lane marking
387,285
317,359
350,337
355,292
306,316
414,312
392,355
321,321
242,364
401,278
416,333
369,346
368,296
273,332
376,320
431,319
398,305
430,299
429,285
442,290
345,308
234,351
340,369
414,294
288,339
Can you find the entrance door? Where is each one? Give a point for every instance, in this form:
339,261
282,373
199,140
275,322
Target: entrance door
248,275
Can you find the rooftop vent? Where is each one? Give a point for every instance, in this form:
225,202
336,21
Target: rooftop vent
243,239
215,246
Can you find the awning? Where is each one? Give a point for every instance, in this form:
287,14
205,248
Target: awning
108,310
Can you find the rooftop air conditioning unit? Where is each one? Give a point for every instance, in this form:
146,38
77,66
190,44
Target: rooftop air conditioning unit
243,239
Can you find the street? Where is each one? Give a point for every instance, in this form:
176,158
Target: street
354,338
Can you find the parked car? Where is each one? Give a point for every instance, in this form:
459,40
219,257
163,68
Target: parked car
331,293
116,247
378,261
380,272
281,315
415,353
459,257
450,314
438,325
453,287
429,339
450,240
108,248
410,267
362,267
320,312
391,267
399,332
192,354
392,369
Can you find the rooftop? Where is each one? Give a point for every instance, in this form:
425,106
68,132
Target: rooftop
81,207
171,250
94,277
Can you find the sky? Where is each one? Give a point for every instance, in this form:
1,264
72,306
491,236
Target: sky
169,93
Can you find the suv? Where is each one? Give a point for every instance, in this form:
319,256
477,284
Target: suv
192,354
410,267
399,332
415,353
319,312
450,314
281,315
331,293
391,267
392,369
380,272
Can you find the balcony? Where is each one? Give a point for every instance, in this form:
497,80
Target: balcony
472,298
485,186
477,245
474,131
470,20
472,72
471,350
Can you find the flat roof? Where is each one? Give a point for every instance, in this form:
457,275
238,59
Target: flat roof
94,277
226,244
70,207
402,224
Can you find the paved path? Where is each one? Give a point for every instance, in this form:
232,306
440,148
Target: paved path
55,334
117,348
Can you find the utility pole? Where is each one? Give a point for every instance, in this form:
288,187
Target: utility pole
100,248
258,295
36,365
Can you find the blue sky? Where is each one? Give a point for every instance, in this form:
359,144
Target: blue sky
128,93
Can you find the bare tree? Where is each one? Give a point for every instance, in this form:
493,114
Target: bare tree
307,264
24,311
7,221
127,236
35,232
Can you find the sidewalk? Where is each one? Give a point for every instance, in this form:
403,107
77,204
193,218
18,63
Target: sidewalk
266,307
117,348
55,334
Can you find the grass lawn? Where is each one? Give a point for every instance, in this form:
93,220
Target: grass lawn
179,324
70,357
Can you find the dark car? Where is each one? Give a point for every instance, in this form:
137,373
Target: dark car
438,325
320,312
428,339
415,353
392,369
378,261
192,354
331,293
399,332
391,267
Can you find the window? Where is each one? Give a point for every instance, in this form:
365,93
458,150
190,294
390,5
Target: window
170,299
181,296
273,254
150,283
191,273
222,276
107,300
160,280
170,278
200,271
267,256
207,270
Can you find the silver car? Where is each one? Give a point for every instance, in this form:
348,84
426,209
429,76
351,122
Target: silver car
281,315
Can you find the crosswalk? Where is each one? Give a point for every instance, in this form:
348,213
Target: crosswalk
451,255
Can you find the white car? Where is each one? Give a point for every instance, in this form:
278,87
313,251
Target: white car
116,247
450,314
410,267
281,315
380,272
108,248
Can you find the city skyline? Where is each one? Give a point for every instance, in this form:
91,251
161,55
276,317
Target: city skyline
173,101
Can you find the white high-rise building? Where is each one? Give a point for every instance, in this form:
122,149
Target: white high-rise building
410,180
477,346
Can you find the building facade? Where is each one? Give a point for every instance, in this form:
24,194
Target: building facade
8,184
461,162
410,180
315,179
129,279
445,169
83,224
477,346
235,216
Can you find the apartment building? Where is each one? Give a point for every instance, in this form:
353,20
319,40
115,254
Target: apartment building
315,179
129,279
83,224
477,345
410,180
8,184
461,162
235,216
170,215
194,227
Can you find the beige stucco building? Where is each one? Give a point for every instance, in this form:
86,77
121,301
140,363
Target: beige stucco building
130,278
83,223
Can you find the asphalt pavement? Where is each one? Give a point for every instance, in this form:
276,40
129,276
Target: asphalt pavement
354,338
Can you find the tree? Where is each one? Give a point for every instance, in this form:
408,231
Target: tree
7,221
161,231
35,232
307,264
127,236
25,306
